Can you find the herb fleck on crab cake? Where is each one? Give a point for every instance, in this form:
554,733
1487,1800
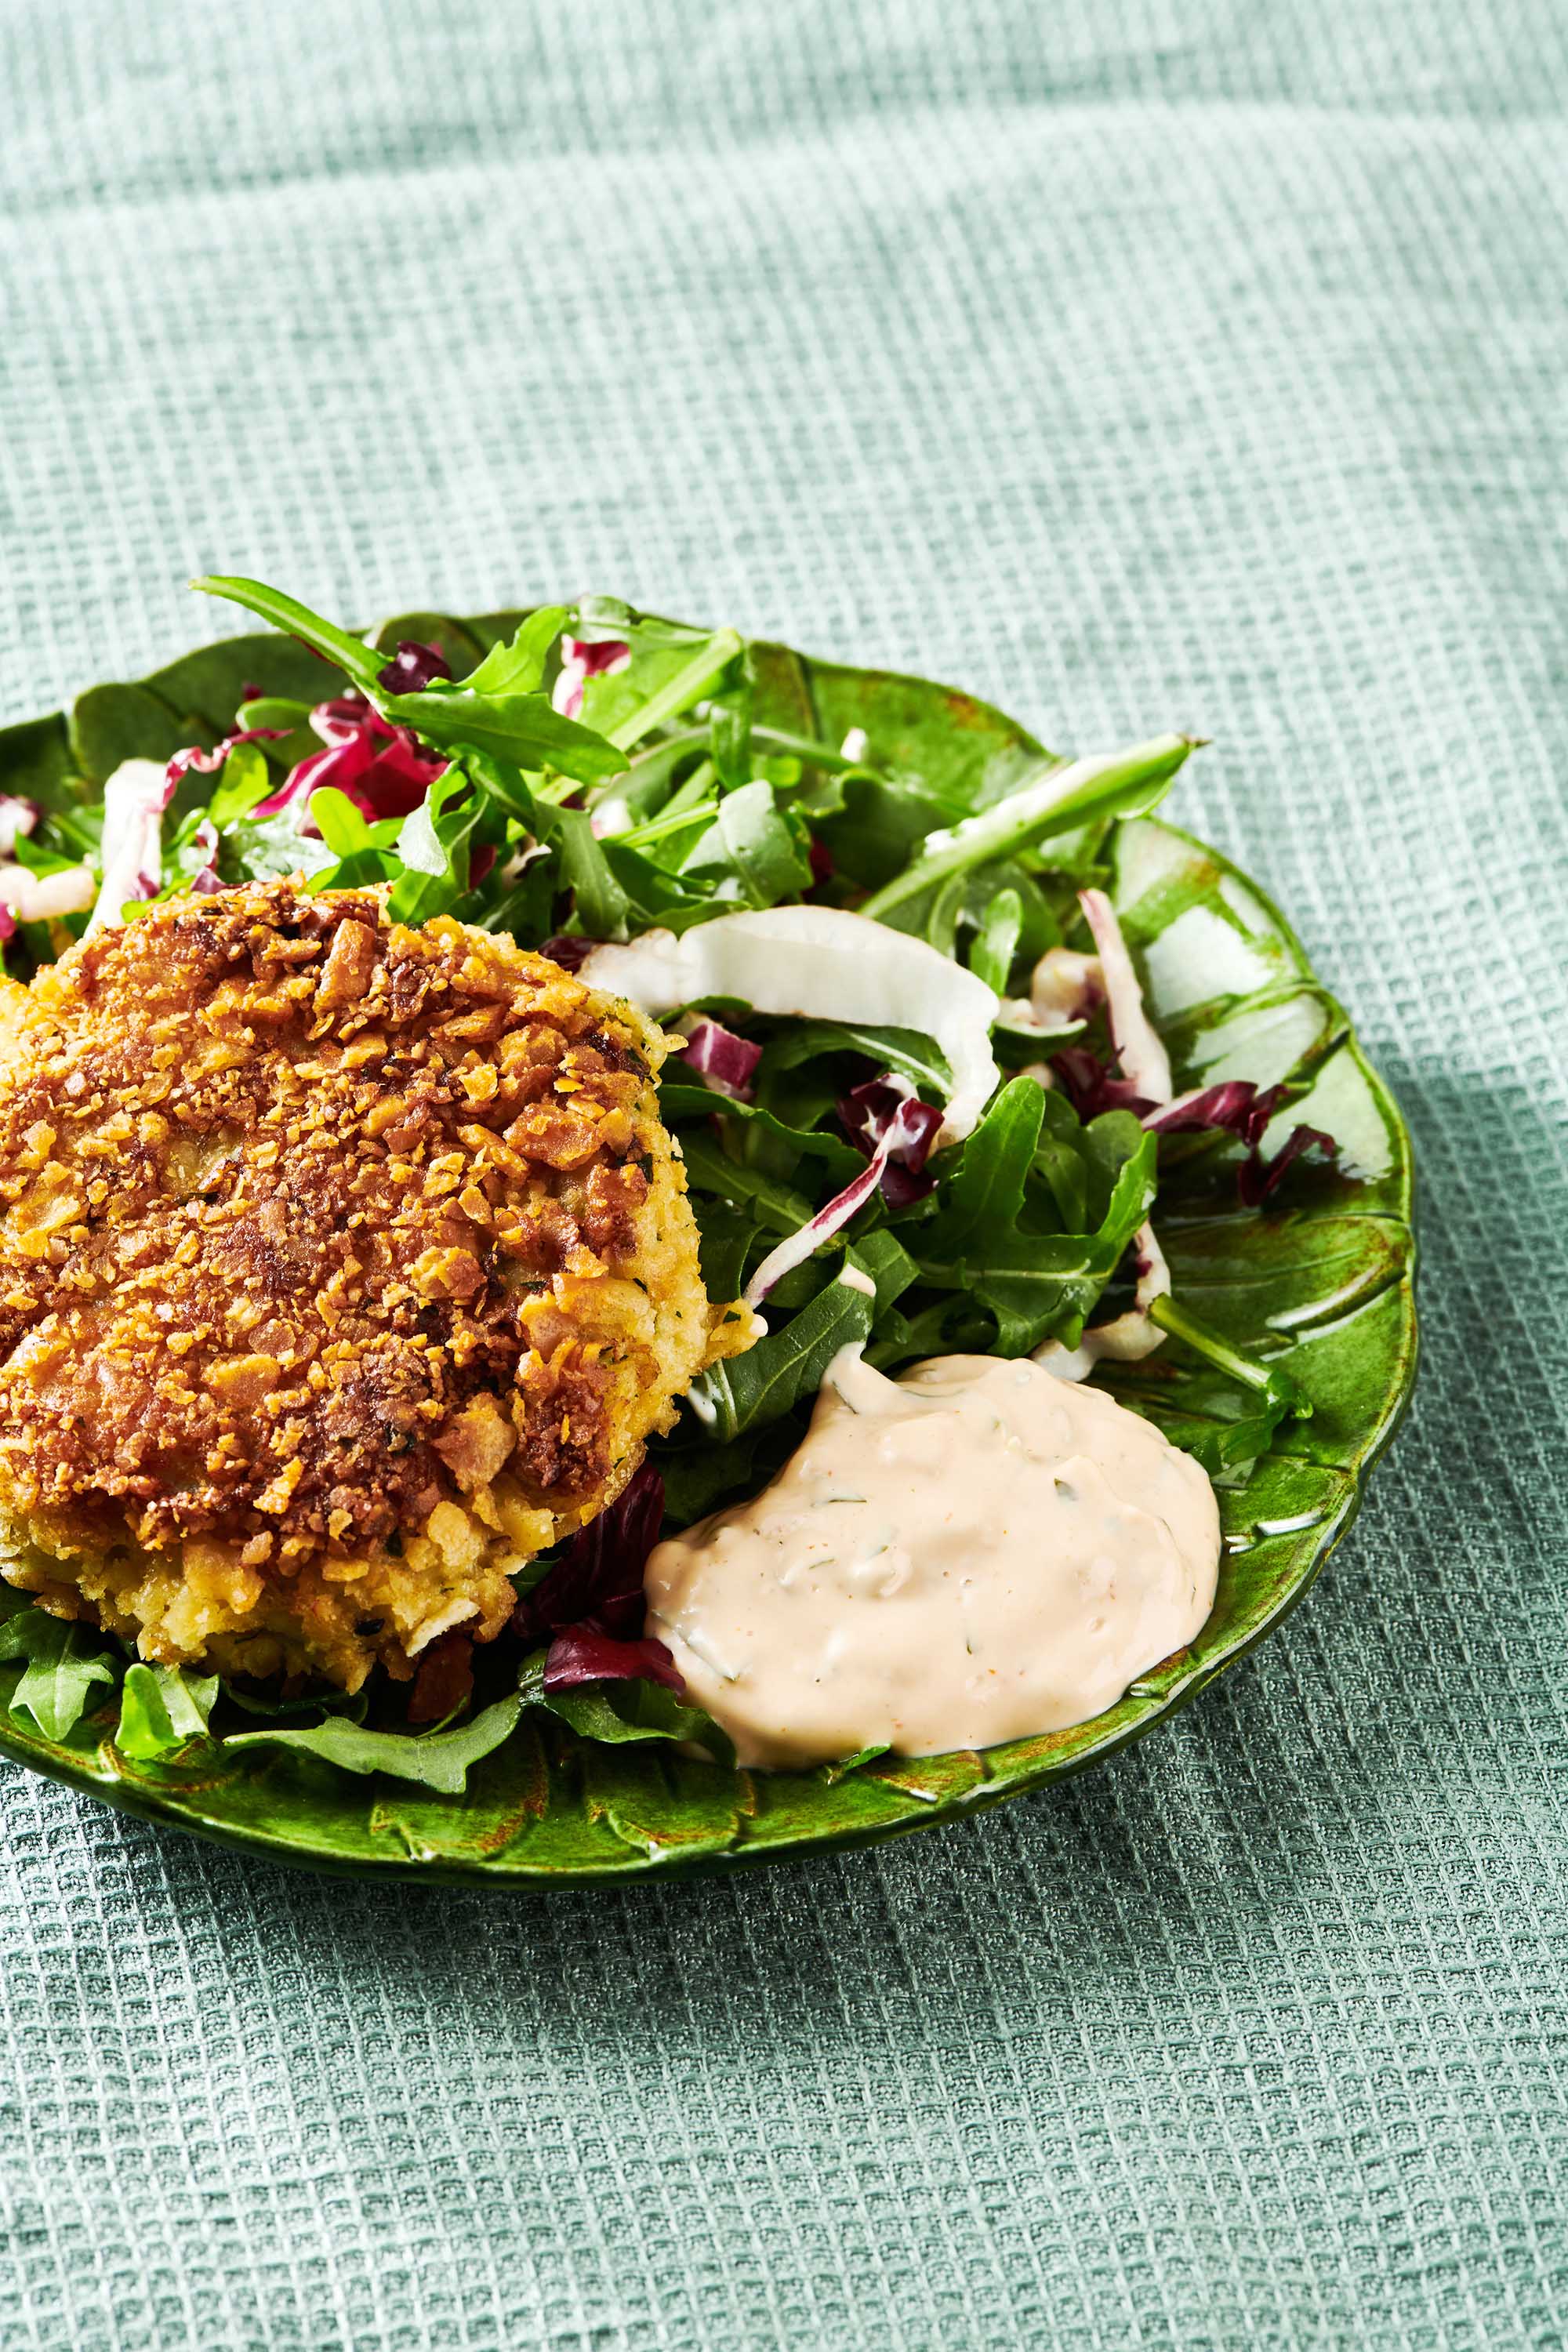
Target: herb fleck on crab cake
342,1268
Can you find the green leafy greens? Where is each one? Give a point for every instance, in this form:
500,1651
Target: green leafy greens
589,773
64,1665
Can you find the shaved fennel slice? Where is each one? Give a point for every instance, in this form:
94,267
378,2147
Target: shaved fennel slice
30,897
1144,1061
131,858
905,1129
1131,1336
821,963
1146,1065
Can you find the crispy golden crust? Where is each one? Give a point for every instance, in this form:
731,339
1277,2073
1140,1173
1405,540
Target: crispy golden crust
328,1245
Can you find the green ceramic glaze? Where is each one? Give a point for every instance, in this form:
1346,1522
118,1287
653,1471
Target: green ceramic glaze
1324,1283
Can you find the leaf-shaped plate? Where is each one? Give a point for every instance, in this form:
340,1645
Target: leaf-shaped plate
1324,1285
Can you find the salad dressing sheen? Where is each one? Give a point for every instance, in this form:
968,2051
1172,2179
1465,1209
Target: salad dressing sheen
970,1554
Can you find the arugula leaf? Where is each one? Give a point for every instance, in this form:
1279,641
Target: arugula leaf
711,1169
1060,1163
1060,800
636,1711
883,1258
522,727
1105,1144
603,909
996,942
986,1191
697,1476
890,1049
247,780
351,1706
517,666
341,824
56,1682
678,1100
260,849
358,661
1229,1403
672,900
725,1236
299,738
750,839
947,1326
524,906
1042,1285
161,1708
678,693
692,802
441,1760
434,1760
1272,1382
504,783
433,844
877,824
1039,923
1222,1425
748,1391
652,776
730,736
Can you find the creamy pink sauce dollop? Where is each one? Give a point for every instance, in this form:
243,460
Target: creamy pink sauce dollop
969,1554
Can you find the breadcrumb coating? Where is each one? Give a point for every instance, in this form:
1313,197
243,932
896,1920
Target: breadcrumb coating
342,1268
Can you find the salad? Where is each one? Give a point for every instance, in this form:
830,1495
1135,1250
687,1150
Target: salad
919,1101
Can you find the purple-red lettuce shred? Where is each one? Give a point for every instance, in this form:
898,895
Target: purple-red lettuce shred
869,1113
1236,1107
18,817
570,954
1257,1177
1244,1111
206,880
580,661
1091,1087
581,1653
895,1129
590,1606
384,770
207,763
412,667
725,1061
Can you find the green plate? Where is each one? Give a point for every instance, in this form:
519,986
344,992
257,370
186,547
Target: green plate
1324,1283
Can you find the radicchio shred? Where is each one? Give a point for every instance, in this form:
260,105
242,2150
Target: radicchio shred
412,667
583,1654
579,663
384,770
897,1141
207,763
569,953
1236,1107
590,1606
1090,1087
868,1113
18,817
725,1060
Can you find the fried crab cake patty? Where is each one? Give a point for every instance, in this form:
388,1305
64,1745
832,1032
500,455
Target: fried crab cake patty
342,1268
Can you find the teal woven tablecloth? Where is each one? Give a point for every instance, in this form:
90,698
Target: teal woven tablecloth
1139,362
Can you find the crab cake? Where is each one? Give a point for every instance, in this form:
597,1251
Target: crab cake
342,1268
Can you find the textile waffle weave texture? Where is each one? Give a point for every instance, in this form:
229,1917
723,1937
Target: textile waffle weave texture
1139,364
